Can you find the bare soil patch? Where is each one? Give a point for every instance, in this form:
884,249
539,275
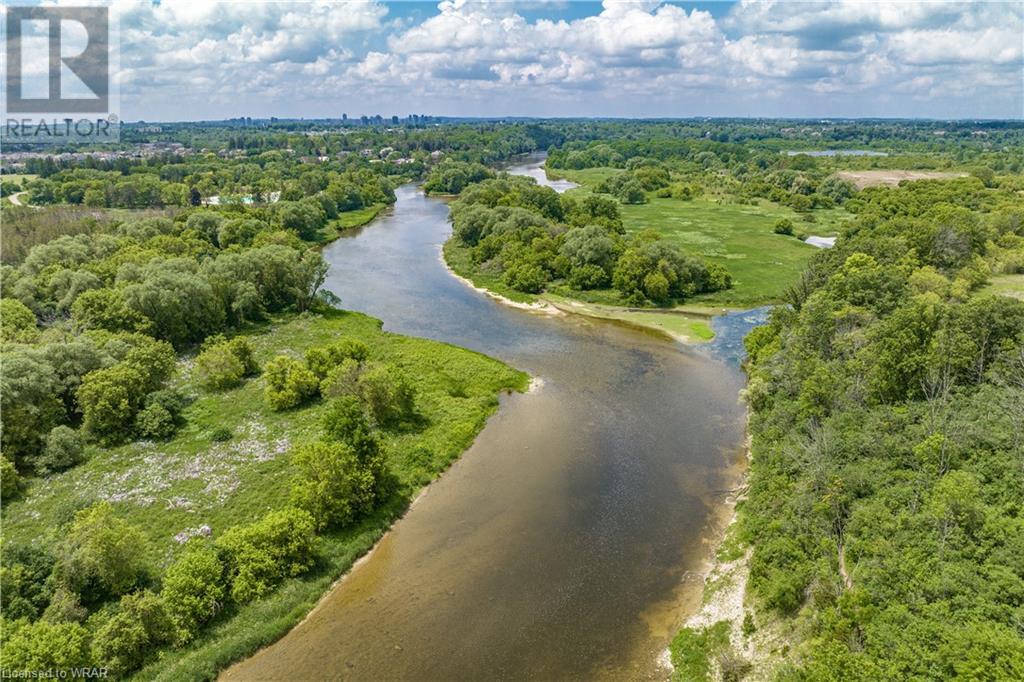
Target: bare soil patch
892,178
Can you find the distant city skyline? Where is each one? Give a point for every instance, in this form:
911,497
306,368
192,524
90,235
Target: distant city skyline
190,61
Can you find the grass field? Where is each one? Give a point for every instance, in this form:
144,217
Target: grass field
1005,285
168,488
738,236
20,178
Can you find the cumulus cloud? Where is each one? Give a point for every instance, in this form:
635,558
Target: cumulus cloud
628,58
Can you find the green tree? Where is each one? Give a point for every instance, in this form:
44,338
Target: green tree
63,449
110,398
17,322
47,646
289,383
100,555
125,639
388,393
217,368
194,589
260,555
322,359
331,484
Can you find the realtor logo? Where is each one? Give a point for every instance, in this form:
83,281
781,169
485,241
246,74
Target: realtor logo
58,64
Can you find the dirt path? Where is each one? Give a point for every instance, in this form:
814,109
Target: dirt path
16,198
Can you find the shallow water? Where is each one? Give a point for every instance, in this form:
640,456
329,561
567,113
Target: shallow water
564,544
531,166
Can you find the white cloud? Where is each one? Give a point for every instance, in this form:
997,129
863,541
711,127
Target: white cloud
635,58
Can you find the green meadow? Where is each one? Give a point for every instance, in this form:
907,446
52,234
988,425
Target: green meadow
175,488
736,235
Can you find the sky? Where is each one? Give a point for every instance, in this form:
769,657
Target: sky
190,60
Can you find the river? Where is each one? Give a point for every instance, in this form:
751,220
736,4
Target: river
566,543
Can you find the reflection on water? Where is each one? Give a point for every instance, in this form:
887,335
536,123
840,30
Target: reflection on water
557,546
531,166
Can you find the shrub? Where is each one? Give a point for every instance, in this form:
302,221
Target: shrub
693,649
289,383
47,646
262,554
242,349
217,368
10,481
331,483
323,359
526,277
589,276
101,555
65,607
109,399
221,434
222,364
388,394
345,421
106,309
123,640
154,359
24,575
154,422
342,379
63,449
783,226
193,590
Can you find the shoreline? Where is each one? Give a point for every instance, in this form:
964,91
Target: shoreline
547,306
724,589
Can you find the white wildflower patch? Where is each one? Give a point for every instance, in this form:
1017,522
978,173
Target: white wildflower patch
189,533
153,471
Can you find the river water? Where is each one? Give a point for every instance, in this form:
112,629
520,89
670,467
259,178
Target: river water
566,543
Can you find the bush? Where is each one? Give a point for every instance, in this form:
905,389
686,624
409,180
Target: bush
589,276
63,450
10,481
217,368
193,590
161,416
221,434
323,359
101,555
109,399
46,646
345,421
526,277
65,607
388,394
332,484
783,226
24,575
222,364
289,383
154,422
139,625
262,554
342,379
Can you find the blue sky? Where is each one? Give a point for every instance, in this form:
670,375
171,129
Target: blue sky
182,59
